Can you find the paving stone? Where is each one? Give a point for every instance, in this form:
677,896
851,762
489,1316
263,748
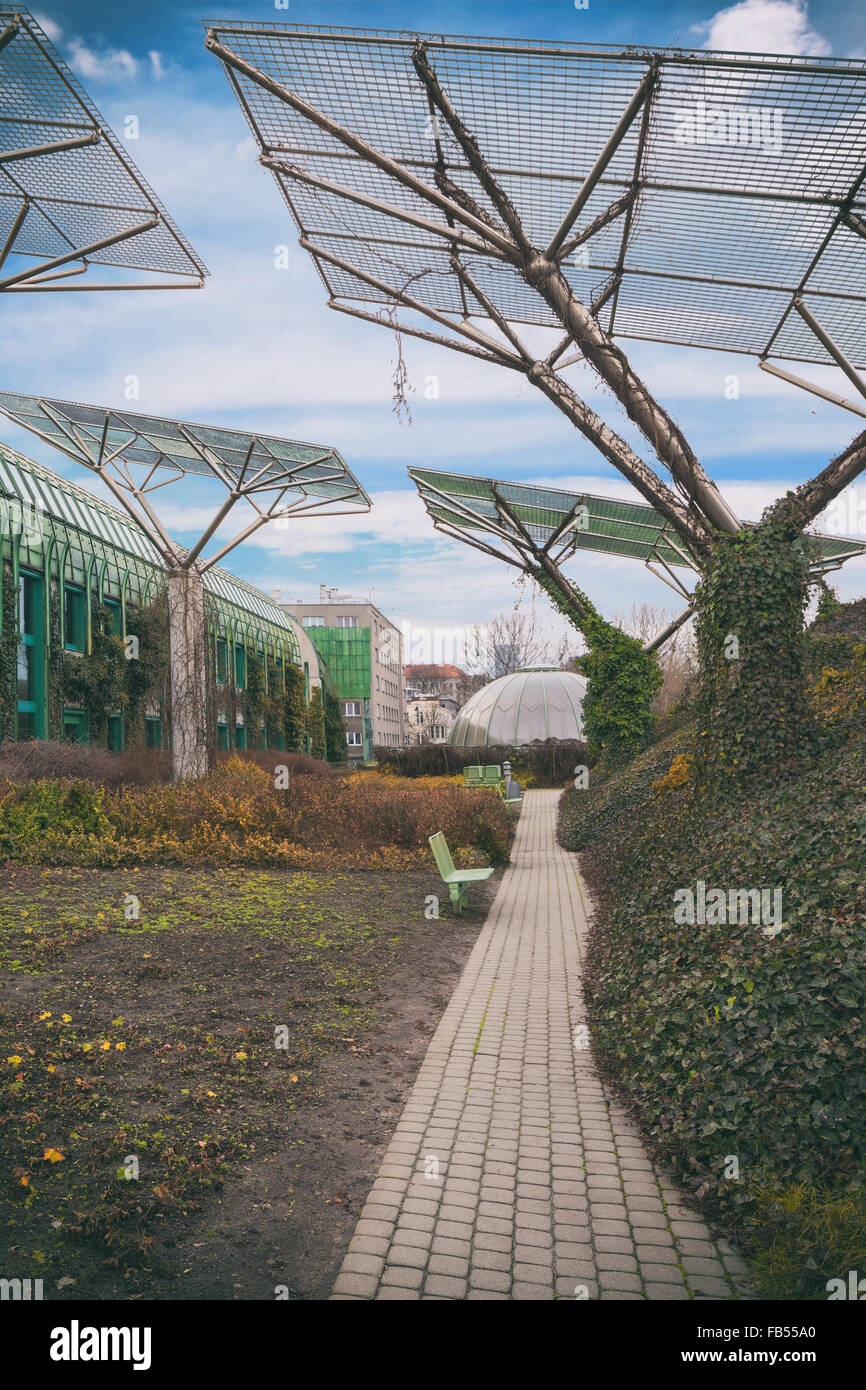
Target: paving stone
490,1279
401,1276
661,1274
458,1266
363,1264
444,1286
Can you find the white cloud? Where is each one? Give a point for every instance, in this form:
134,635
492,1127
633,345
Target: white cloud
49,27
764,26
156,66
107,65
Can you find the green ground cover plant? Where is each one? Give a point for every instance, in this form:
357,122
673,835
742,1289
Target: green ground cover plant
732,1041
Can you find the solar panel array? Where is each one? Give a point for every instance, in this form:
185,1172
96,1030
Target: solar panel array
74,197
604,524
90,433
742,172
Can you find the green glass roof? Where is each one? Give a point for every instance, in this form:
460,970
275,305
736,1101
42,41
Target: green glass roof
582,521
36,486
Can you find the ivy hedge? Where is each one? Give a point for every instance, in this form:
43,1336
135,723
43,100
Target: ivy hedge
731,1041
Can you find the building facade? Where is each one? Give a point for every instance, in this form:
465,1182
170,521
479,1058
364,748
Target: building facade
77,575
429,718
362,650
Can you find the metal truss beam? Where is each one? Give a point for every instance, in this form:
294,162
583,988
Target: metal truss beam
80,253
669,631
810,386
56,147
613,143
827,342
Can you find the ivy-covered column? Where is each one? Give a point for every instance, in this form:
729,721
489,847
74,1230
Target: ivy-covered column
189,731
752,711
622,678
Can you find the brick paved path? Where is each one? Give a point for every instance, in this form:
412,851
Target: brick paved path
511,1174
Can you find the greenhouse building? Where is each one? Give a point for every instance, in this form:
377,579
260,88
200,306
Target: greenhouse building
536,703
84,632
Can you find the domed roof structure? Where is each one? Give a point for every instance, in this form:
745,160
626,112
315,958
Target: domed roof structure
538,702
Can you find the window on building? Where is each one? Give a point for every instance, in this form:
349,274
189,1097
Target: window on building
74,619
222,659
115,733
30,678
153,732
115,617
352,709
240,736
222,735
345,621
74,726
314,622
353,738
240,665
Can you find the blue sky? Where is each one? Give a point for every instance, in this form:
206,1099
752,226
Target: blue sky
258,348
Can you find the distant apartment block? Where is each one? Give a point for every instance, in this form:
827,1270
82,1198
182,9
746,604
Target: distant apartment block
362,650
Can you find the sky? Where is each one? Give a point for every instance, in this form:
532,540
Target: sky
258,349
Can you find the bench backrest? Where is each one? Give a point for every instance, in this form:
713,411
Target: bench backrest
442,854
472,776
492,773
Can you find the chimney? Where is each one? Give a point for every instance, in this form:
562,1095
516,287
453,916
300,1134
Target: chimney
276,595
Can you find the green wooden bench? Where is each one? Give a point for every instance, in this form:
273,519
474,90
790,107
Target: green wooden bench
457,879
472,776
492,776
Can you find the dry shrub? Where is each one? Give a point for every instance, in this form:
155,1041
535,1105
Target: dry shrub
269,759
238,815
37,760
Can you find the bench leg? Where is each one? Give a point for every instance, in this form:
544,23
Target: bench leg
458,895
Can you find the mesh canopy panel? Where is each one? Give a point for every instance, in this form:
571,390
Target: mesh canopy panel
743,168
76,196
88,433
605,524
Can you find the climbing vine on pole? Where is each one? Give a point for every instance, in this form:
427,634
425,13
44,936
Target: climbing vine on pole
622,678
752,710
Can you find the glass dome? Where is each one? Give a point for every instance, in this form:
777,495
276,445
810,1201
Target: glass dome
538,702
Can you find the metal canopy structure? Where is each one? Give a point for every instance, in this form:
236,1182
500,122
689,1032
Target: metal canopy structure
516,523
707,199
137,454
70,196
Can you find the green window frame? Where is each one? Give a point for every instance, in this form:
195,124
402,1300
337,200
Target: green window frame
240,736
74,619
115,733
74,726
115,617
30,677
240,665
223,736
222,660
153,731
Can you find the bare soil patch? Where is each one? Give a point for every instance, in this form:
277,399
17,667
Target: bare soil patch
244,1044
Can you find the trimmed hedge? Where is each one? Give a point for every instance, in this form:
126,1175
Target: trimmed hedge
543,764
